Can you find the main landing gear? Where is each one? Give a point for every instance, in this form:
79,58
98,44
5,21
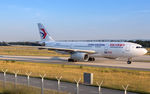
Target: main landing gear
129,61
91,59
71,60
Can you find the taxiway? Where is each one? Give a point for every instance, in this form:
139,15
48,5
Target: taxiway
139,63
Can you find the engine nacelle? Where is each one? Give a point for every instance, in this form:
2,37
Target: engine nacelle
80,56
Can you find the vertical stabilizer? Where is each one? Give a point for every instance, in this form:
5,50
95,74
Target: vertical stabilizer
44,34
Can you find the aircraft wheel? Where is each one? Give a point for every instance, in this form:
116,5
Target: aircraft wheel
71,60
129,62
91,59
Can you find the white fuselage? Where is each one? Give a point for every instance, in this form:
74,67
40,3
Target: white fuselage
103,49
86,51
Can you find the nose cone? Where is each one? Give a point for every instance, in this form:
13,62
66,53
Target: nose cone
144,51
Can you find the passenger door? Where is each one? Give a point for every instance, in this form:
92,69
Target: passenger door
127,48
106,47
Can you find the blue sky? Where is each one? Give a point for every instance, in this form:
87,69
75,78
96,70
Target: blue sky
75,19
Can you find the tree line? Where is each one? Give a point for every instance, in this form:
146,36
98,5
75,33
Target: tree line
19,43
145,43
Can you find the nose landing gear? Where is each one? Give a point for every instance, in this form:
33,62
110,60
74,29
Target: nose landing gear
129,61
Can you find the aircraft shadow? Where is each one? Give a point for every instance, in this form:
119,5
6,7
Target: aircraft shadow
58,58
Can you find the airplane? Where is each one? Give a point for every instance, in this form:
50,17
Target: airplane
87,51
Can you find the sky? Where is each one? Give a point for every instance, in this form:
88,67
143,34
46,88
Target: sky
75,19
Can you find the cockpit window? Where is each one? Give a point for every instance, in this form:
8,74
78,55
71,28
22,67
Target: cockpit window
139,47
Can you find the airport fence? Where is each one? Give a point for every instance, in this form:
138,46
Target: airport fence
58,78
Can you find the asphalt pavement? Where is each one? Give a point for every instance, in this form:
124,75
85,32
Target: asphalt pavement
139,63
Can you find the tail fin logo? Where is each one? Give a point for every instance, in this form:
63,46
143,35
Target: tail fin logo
43,33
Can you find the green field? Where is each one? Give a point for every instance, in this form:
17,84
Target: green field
139,81
148,51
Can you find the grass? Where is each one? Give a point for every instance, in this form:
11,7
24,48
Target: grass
22,89
26,51
139,81
148,51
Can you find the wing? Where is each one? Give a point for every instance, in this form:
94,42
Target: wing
68,50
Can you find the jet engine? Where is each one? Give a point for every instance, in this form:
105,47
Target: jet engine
79,56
